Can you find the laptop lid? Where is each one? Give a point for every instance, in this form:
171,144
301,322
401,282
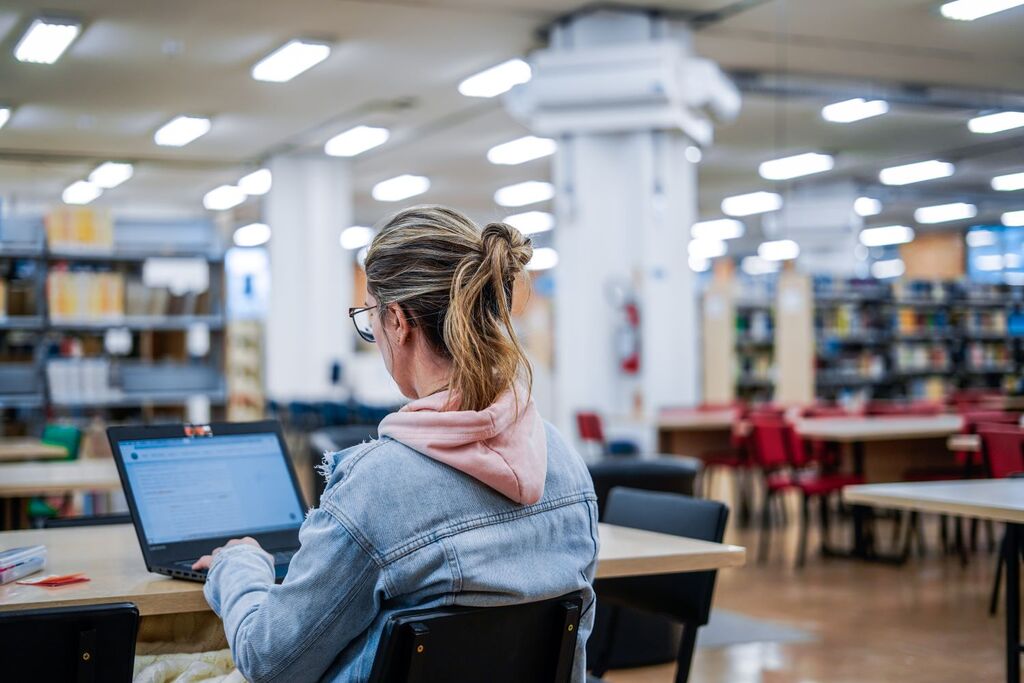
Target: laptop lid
191,488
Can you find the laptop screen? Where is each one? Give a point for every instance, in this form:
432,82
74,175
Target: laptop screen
193,488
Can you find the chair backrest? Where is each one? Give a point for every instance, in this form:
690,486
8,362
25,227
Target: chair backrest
67,437
1001,449
672,474
590,428
973,418
799,453
530,642
684,597
768,442
82,644
90,520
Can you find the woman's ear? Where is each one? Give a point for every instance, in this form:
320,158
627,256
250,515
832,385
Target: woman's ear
398,324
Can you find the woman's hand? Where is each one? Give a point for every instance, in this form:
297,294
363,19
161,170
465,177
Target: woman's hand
205,561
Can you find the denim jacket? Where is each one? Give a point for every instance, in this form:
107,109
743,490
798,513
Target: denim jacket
396,530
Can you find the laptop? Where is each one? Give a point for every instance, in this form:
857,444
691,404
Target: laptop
191,488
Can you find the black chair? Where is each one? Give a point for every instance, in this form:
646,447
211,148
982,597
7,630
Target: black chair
529,642
684,597
83,644
91,520
669,473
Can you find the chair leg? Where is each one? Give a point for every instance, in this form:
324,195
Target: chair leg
824,514
805,523
766,523
993,603
944,533
685,657
598,665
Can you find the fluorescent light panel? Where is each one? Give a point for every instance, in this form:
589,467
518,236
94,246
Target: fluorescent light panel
400,187
969,10
46,40
850,111
543,258
867,206
1009,182
916,172
521,150
778,250
751,203
708,248
942,213
223,198
699,264
718,229
888,268
5,116
256,183
496,80
531,222
989,262
996,123
252,235
355,141
81,192
1013,218
796,166
521,194
755,265
885,235
290,60
110,174
355,237
980,238
182,130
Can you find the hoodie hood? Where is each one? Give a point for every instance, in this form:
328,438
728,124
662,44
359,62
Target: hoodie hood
500,446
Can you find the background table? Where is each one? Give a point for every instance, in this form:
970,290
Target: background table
54,478
15,449
695,432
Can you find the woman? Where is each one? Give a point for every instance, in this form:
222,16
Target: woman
467,498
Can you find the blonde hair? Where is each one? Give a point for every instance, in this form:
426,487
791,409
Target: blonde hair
455,282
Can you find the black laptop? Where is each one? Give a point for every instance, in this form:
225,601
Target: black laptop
191,488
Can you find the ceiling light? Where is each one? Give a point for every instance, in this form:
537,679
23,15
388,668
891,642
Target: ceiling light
543,259
521,194
981,238
778,250
46,39
356,140
888,268
916,172
289,60
693,154
5,115
942,213
223,198
885,235
867,206
182,130
996,123
522,150
989,262
81,192
857,109
252,235
256,183
969,10
355,237
111,174
1014,261
706,248
718,229
796,166
749,204
755,265
496,80
699,264
400,187
1008,183
531,222
1013,218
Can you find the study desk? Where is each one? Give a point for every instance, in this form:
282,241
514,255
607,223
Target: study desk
24,479
17,449
694,432
999,500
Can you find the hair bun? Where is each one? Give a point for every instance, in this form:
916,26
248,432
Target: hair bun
516,248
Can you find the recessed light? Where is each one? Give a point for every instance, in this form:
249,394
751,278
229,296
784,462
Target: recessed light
355,141
867,206
531,222
778,250
223,198
252,235
751,203
521,150
400,187
796,166
110,174
256,183
693,154
46,40
755,265
888,268
496,80
290,60
942,213
989,262
543,258
916,172
850,111
521,194
181,130
718,229
969,10
886,235
996,123
81,192
981,238
1009,182
1013,218
706,248
355,237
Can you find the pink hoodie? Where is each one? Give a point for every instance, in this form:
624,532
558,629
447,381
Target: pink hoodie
491,445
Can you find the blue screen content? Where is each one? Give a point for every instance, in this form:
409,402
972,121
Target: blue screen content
206,487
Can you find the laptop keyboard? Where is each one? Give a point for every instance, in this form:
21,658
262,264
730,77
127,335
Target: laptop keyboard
280,557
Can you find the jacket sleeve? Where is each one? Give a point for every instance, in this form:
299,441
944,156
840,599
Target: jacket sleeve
293,631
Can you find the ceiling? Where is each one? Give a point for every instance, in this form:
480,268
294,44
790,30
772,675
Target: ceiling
397,63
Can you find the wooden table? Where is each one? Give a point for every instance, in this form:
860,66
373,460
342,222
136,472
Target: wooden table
1000,500
53,478
110,556
15,449
695,432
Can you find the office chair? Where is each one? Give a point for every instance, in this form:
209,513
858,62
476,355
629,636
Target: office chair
683,597
82,644
529,642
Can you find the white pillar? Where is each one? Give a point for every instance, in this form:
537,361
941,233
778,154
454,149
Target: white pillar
308,329
625,97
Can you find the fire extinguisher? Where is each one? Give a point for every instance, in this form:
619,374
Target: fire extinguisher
629,338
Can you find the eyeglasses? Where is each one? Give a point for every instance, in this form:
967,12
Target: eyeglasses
361,320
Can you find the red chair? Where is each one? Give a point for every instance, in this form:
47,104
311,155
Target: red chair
1001,449
591,431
